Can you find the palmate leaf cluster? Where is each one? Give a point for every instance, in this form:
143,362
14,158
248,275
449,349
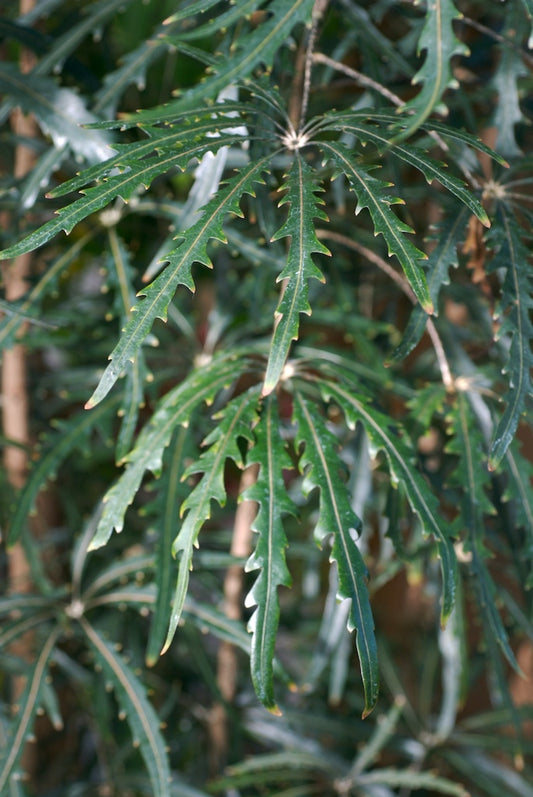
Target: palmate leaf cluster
387,230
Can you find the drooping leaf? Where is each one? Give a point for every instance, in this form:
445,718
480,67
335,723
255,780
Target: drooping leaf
472,477
28,704
172,411
301,187
235,422
140,715
380,431
449,235
440,44
269,556
192,249
516,326
373,194
321,467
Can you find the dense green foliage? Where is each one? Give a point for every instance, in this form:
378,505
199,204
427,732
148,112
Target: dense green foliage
360,342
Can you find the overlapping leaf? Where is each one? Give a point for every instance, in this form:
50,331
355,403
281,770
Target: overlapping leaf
373,194
234,422
450,234
440,43
269,556
431,169
123,185
141,717
259,46
192,249
321,466
173,410
301,186
514,315
400,458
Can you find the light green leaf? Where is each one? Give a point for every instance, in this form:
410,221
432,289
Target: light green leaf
171,492
131,698
192,249
301,187
516,326
234,422
440,43
321,466
27,707
269,556
372,194
172,411
382,436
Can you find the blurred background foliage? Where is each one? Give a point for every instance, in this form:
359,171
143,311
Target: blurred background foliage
453,717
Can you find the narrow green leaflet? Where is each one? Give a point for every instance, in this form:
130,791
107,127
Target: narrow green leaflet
256,47
449,235
514,315
27,707
121,276
440,43
131,698
192,249
59,111
157,142
400,458
235,422
222,21
409,779
198,7
269,556
301,187
372,194
68,436
429,167
321,466
472,477
172,411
